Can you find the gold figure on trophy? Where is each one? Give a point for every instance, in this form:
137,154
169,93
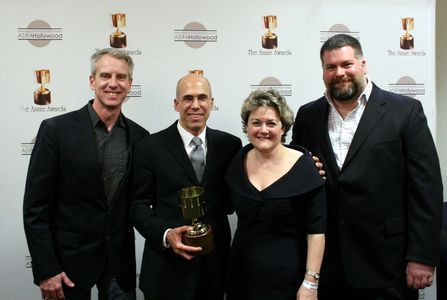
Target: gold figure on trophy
193,207
269,39
118,38
196,72
407,40
42,96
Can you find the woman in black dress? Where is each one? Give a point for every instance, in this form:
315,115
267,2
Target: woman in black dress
279,199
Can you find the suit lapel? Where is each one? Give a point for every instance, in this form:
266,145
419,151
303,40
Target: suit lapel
323,131
374,110
212,154
174,144
89,150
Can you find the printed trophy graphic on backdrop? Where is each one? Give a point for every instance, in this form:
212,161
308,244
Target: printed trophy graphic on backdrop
42,96
193,207
407,40
118,38
196,72
269,39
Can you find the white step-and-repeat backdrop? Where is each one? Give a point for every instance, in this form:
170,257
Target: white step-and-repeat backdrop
46,46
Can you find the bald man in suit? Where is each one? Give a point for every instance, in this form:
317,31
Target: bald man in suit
162,166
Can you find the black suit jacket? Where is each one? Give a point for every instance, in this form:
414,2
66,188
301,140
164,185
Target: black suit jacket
68,224
161,168
384,204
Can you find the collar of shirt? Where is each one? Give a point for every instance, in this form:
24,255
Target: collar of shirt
187,139
364,96
95,118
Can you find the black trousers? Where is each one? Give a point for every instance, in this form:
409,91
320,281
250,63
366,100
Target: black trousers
202,290
108,289
344,291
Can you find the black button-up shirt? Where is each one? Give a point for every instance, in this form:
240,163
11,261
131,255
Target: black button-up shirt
113,152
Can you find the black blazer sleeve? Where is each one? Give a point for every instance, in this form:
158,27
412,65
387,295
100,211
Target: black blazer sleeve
39,196
143,194
424,190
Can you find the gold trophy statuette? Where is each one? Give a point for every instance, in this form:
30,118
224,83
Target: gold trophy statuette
407,40
196,72
193,208
269,39
118,38
42,96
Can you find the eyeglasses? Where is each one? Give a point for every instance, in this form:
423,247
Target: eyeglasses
189,99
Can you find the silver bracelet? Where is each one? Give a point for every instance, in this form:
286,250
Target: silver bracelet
313,274
310,285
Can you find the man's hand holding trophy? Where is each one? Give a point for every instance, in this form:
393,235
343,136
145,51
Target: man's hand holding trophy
196,239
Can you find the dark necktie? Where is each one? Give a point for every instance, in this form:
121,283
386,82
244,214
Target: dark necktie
198,157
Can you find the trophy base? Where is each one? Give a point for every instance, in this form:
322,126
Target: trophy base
204,240
42,98
118,41
407,43
270,42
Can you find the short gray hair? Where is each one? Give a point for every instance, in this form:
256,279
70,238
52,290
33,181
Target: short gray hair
268,98
115,53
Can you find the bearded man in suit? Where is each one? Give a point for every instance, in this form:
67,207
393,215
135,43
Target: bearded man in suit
384,188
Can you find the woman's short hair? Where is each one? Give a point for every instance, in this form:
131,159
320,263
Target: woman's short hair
267,98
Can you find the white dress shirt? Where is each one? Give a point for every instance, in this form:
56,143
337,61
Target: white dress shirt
187,140
341,132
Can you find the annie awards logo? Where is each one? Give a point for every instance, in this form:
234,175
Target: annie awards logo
269,45
337,29
118,38
407,86
195,35
272,83
269,39
39,33
42,96
407,40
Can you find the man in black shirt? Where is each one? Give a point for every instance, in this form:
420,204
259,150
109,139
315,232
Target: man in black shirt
75,206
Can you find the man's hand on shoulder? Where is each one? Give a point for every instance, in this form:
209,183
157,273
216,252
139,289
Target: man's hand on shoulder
319,166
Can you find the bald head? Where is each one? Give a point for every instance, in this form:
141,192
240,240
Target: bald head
193,102
192,79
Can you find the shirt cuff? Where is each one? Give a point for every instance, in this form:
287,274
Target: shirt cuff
165,242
